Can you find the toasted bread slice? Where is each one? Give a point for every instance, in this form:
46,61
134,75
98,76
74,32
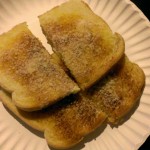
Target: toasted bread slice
64,124
82,40
29,72
119,91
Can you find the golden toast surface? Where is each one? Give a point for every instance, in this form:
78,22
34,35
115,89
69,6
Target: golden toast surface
29,72
82,40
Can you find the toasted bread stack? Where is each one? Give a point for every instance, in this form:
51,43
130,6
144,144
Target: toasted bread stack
86,82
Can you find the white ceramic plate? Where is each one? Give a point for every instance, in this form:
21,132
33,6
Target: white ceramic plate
123,17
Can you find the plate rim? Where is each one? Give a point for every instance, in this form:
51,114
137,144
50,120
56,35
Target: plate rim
147,23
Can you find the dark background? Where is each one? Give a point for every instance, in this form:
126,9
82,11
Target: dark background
144,5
